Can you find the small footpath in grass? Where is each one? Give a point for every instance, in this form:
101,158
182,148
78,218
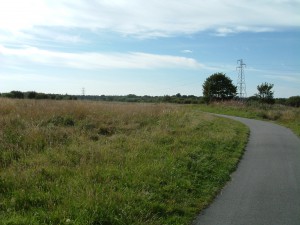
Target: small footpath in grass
76,162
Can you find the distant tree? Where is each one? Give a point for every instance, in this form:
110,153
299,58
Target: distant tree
167,98
265,93
6,95
253,99
17,94
131,96
58,97
218,87
294,101
280,101
31,94
41,96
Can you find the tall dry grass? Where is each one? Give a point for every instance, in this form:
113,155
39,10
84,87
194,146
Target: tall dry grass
284,115
80,162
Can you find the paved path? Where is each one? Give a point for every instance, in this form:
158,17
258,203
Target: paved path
265,189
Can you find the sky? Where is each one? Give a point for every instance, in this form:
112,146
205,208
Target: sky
156,48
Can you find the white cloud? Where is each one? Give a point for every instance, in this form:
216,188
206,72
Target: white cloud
93,60
151,18
288,78
224,31
17,14
280,74
56,36
187,51
29,77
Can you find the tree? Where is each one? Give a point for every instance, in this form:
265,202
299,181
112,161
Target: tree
294,101
31,94
265,94
17,94
218,87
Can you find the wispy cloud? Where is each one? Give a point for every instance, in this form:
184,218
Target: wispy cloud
151,18
93,60
29,77
287,78
187,51
277,75
224,31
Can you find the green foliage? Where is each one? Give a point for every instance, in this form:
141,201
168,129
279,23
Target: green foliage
32,95
106,163
293,101
218,87
178,98
265,93
14,94
36,95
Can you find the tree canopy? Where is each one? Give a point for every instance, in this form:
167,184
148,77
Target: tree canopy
265,93
218,87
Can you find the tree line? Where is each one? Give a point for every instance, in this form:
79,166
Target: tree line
36,95
217,87
178,98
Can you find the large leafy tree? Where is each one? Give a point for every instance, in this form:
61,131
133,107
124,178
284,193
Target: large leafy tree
218,87
265,93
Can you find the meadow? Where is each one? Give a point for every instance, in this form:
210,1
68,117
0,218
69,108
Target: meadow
82,162
280,114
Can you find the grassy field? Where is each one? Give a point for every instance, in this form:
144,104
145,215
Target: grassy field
77,162
284,115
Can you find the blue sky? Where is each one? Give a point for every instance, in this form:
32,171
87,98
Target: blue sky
119,47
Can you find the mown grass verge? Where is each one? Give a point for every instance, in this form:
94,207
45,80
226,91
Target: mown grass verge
101,163
283,115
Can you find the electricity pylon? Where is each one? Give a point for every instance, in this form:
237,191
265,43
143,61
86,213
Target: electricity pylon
241,84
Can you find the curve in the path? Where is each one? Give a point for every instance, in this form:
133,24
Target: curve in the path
265,189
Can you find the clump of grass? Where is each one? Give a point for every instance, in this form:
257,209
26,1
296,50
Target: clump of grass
284,115
103,163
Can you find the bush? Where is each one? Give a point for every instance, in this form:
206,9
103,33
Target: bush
31,95
265,93
16,94
294,101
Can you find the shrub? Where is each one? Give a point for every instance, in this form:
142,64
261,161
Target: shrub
294,101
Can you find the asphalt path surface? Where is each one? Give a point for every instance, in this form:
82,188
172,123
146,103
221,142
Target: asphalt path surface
265,189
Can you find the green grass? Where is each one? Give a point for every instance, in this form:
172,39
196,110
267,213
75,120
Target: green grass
73,162
284,115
